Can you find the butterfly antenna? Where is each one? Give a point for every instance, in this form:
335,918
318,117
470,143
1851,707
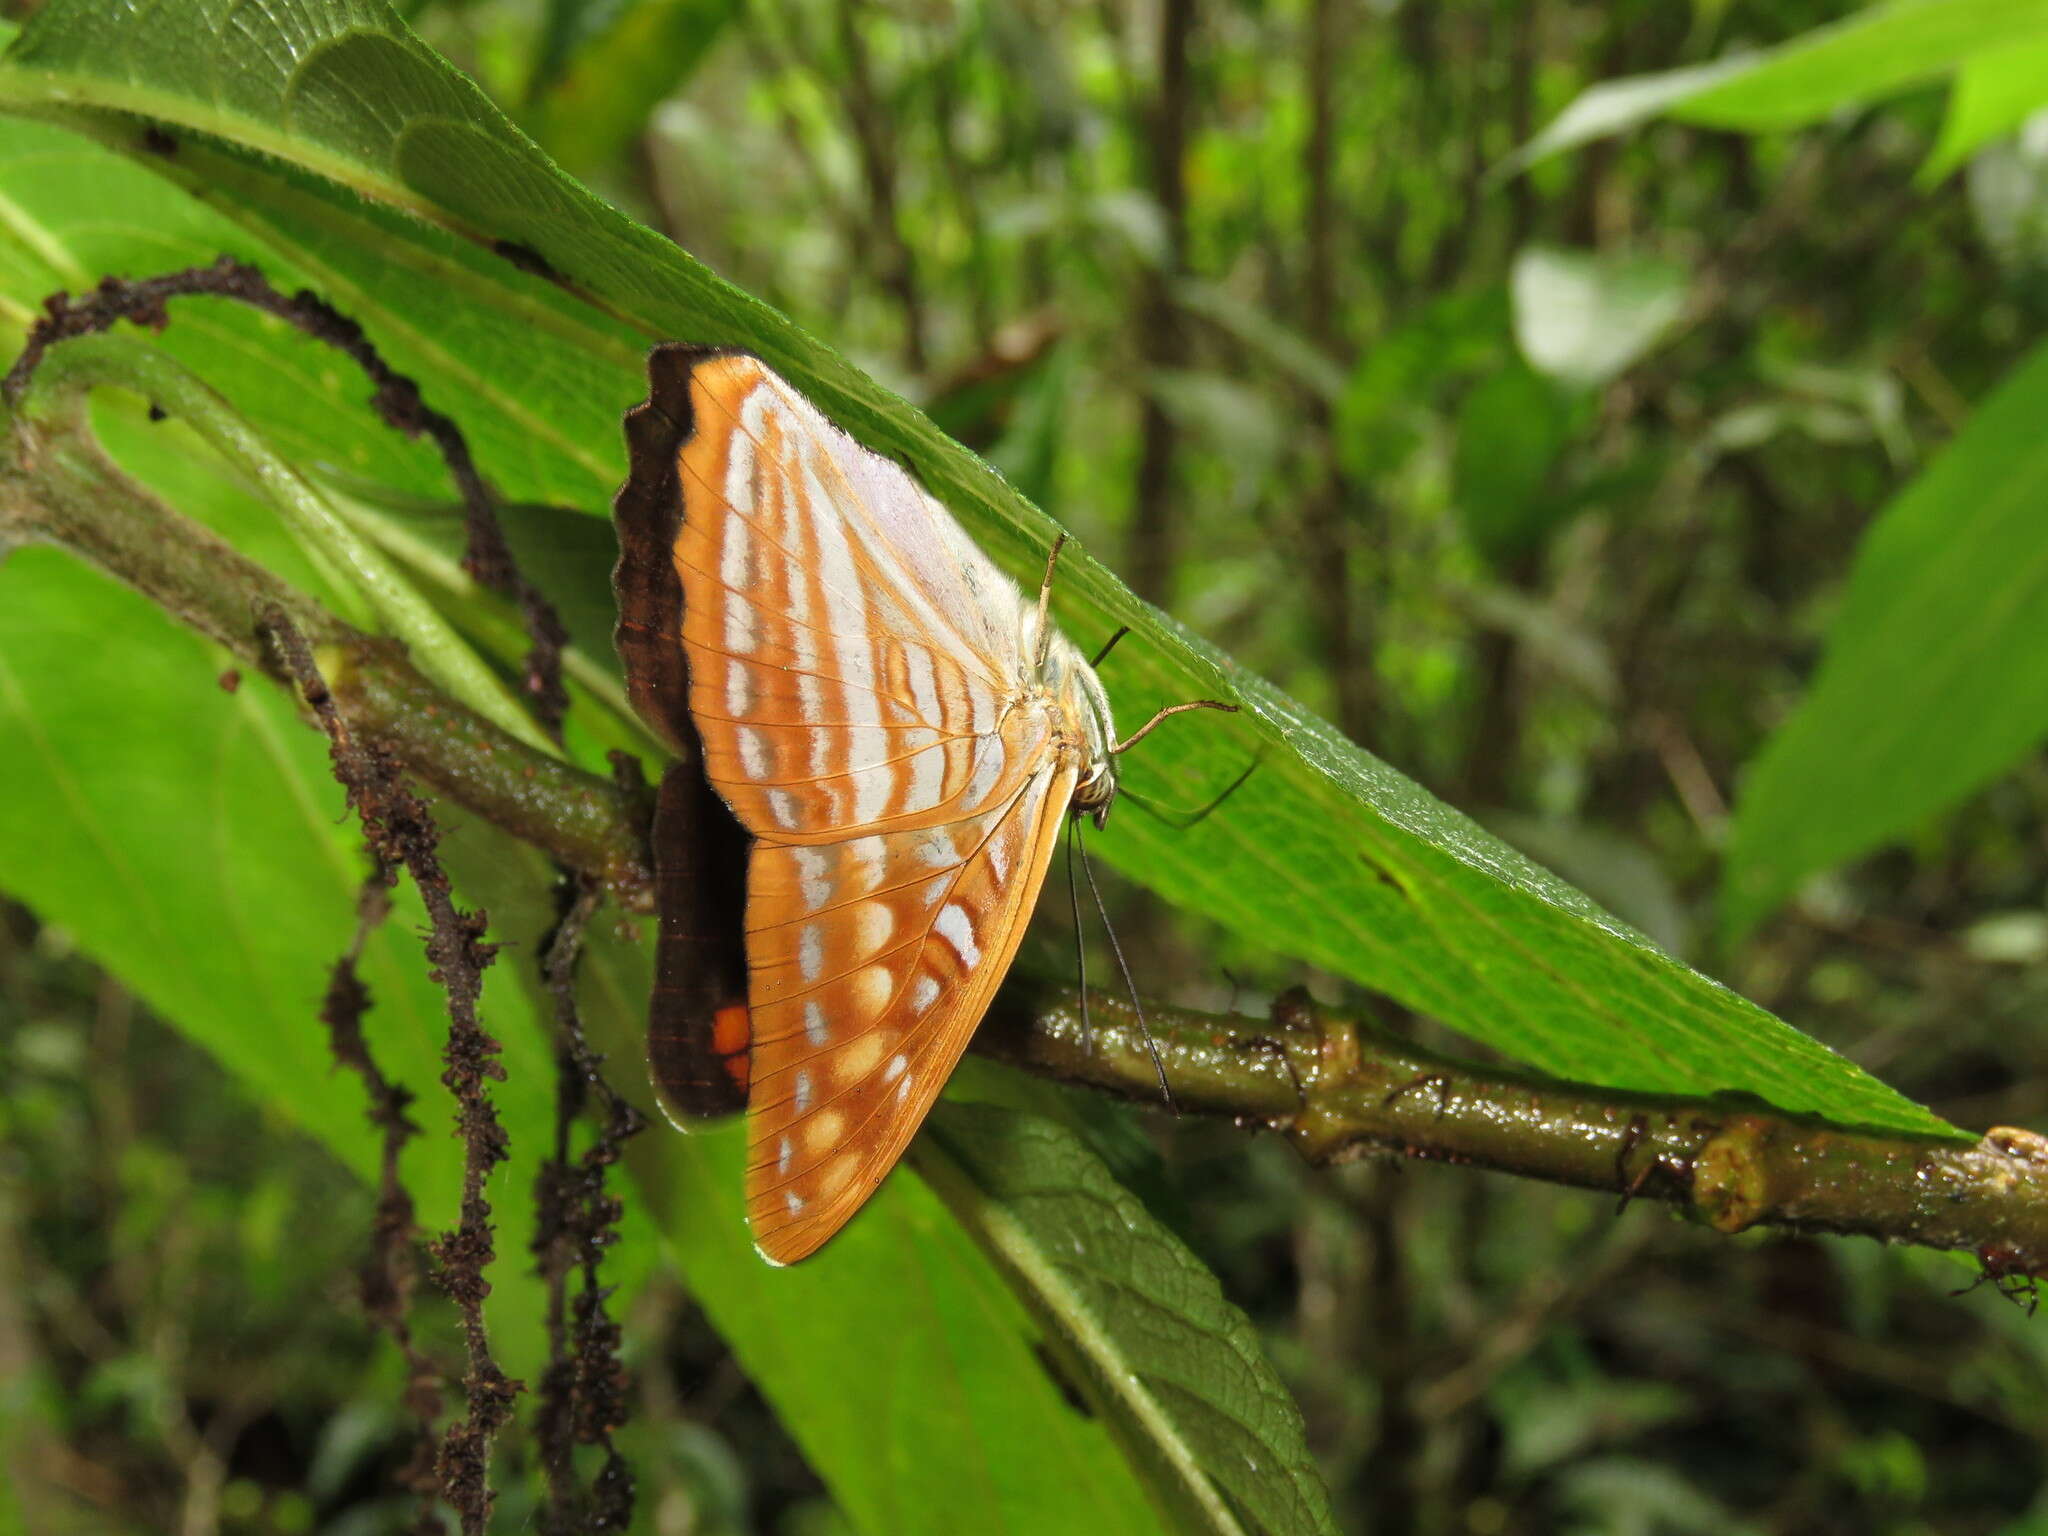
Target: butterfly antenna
1080,948
1147,728
1181,821
1045,601
1110,644
1130,986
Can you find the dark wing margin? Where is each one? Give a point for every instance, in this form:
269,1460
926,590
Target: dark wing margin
648,514
698,1039
699,1034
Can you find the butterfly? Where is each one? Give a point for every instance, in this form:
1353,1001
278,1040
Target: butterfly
899,730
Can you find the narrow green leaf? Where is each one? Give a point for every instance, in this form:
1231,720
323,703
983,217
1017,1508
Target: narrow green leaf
1934,680
1872,54
1326,854
1160,1350
1615,106
1994,93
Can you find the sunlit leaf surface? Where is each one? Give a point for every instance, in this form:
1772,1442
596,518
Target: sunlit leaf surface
1934,679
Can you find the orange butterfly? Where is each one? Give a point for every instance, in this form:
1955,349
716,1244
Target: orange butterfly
898,728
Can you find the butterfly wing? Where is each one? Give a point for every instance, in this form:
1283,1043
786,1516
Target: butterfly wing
849,662
862,1008
857,677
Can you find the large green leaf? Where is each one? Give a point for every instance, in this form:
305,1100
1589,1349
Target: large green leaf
143,809
194,842
1326,854
1875,53
1162,1352
1935,678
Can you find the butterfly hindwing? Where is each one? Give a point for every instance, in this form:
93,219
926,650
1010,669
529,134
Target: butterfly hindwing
863,1006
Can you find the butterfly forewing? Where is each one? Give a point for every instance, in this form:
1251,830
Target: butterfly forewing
861,678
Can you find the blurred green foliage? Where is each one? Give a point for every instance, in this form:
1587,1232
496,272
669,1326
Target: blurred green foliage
1550,488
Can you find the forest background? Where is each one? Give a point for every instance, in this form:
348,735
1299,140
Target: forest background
1536,439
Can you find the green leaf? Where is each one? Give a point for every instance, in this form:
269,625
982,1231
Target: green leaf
1934,680
1327,854
605,67
1155,1344
1994,93
1585,319
157,845
1875,53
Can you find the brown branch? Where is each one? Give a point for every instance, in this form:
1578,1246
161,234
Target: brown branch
872,123
1162,338
1337,513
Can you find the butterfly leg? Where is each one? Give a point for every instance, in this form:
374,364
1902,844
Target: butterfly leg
1130,986
1181,821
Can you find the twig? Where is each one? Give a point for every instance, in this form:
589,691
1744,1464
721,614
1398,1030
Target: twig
1733,1166
872,123
583,1392
401,831
388,1277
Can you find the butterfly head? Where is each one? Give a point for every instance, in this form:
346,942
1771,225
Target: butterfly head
1095,791
1097,785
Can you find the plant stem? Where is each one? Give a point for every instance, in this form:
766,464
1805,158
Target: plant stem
1340,1090
57,487
84,363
